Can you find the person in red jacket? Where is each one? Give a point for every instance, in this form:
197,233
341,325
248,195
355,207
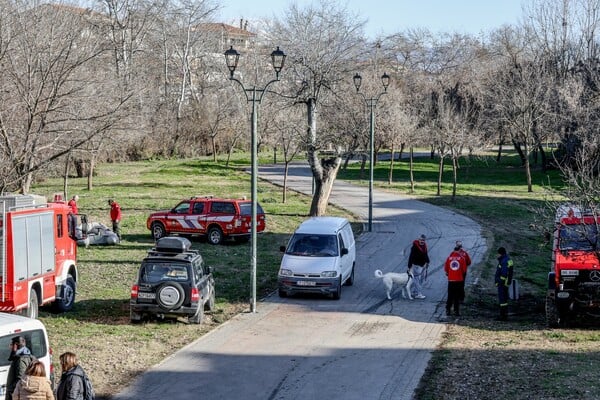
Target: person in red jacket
456,270
115,217
464,253
73,215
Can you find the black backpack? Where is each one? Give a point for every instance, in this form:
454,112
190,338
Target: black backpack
88,389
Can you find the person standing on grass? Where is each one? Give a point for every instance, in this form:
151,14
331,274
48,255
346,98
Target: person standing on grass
73,214
418,261
503,279
115,217
456,270
34,385
467,258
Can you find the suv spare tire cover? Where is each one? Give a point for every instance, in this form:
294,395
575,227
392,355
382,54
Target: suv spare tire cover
170,295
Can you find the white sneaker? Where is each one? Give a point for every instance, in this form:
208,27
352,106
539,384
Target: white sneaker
419,296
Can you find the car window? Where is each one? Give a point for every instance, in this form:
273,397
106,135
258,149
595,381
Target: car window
341,238
36,343
222,207
246,209
198,208
182,208
309,245
154,272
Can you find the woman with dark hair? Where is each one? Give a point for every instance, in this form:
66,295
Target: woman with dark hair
34,385
72,381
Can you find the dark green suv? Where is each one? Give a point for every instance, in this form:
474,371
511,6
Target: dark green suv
172,282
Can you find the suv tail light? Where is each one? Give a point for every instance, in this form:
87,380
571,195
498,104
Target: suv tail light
134,291
195,297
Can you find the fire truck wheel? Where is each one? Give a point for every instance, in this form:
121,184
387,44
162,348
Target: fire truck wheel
68,296
32,307
215,235
170,295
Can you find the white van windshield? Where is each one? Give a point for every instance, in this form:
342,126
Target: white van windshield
309,245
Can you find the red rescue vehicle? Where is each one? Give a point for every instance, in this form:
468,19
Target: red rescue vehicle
37,255
574,281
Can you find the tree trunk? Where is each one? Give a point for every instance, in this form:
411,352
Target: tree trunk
323,171
285,175
520,151
440,174
90,177
499,154
66,177
214,148
391,172
454,177
363,164
410,169
528,174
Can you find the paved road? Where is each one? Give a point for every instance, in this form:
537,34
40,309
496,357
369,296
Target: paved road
360,347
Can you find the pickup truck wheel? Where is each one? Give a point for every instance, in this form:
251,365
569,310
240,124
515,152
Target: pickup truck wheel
198,317
67,301
158,230
215,235
170,295
32,310
552,316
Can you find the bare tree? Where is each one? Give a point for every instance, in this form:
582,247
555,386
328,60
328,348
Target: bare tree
321,42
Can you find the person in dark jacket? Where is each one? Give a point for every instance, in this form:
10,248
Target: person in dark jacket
71,385
418,261
503,279
20,358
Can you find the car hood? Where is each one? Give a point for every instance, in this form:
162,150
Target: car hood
302,264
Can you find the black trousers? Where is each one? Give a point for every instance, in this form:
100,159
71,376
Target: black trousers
455,290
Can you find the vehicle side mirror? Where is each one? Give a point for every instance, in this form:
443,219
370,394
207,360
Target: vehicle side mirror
344,251
282,249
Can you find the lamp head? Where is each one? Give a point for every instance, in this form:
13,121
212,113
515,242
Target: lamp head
232,58
357,81
385,80
278,59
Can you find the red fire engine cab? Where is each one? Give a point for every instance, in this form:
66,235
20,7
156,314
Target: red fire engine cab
574,279
37,255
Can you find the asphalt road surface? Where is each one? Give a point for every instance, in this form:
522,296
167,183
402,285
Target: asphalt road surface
362,346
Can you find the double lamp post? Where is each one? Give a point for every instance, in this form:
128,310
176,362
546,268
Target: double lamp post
371,103
254,94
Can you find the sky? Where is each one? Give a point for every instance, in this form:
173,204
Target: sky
392,16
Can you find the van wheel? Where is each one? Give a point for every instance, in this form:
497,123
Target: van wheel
32,310
350,280
68,296
338,292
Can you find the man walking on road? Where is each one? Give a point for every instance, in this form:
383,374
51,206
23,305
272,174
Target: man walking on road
418,261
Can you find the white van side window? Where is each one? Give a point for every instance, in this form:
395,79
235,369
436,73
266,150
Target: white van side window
36,342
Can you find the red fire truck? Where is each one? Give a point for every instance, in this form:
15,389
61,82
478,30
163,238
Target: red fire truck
574,281
37,255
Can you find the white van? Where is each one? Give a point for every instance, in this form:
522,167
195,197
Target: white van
12,325
319,258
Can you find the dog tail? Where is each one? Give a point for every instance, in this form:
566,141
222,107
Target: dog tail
378,273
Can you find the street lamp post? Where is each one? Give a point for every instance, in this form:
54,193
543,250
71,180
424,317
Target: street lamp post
371,103
254,95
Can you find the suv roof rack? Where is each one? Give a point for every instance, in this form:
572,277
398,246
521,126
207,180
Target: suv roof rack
208,196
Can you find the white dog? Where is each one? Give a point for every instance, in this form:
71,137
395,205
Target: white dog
403,279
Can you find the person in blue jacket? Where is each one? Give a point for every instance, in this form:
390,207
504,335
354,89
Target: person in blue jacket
503,279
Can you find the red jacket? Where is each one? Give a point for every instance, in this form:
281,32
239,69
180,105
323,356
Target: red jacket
456,267
115,211
465,255
73,204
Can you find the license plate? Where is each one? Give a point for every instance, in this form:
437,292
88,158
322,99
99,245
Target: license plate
147,295
307,283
